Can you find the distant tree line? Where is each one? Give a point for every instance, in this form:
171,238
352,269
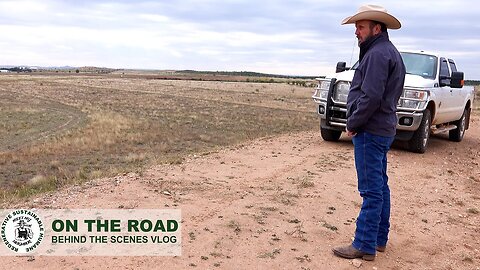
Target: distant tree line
472,82
246,74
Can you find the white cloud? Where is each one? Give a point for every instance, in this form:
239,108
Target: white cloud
294,37
23,8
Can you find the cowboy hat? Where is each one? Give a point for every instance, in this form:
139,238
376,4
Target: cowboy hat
374,13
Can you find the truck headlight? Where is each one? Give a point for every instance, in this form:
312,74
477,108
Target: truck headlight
413,99
324,85
421,95
411,104
323,94
322,89
341,91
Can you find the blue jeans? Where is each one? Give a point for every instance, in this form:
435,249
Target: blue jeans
373,222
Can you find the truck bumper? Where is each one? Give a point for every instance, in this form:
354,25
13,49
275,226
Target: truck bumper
407,123
321,109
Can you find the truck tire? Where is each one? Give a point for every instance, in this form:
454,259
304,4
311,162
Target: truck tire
421,136
330,135
456,135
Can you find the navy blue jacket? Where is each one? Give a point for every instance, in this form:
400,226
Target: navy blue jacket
376,88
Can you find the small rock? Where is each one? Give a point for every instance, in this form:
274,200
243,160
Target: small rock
357,263
473,211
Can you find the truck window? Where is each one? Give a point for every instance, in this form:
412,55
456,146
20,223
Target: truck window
420,64
444,70
453,67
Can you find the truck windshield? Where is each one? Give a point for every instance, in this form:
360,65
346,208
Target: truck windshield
418,64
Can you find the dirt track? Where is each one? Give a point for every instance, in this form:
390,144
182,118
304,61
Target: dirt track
284,202
68,118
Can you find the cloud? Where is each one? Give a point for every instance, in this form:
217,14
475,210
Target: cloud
301,37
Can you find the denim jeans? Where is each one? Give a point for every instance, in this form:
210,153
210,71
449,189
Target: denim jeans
373,222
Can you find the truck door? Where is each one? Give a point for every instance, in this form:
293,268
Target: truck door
458,95
442,93
447,107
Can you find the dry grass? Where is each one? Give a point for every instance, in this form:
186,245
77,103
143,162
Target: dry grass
271,255
306,182
68,129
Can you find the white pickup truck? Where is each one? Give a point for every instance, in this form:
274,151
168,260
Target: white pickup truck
433,101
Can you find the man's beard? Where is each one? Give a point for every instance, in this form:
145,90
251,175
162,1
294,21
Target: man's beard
366,38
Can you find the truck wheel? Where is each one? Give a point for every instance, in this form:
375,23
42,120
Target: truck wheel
419,141
456,135
330,135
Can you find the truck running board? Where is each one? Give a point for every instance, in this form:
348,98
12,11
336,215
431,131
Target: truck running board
442,129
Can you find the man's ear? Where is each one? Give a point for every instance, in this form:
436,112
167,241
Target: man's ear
377,29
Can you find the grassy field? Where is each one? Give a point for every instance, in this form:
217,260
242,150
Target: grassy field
63,129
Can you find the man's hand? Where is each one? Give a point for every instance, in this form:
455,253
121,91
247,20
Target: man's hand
350,133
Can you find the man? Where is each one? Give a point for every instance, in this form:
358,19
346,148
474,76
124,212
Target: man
23,232
371,120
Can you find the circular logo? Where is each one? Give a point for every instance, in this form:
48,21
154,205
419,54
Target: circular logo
22,231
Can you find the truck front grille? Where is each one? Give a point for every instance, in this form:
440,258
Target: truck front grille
338,115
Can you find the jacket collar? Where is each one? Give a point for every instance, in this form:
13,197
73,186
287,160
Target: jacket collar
367,44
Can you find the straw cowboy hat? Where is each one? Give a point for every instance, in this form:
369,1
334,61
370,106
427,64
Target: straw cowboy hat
374,13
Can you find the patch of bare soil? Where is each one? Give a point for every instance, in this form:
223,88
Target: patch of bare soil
283,203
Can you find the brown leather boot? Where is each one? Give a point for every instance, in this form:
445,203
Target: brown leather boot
349,252
381,248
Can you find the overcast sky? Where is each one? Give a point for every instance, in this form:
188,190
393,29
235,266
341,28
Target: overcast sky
302,37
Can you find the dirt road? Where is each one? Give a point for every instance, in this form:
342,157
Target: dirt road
284,202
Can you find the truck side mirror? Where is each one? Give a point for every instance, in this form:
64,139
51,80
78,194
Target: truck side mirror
341,67
456,80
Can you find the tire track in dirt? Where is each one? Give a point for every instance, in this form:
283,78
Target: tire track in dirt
75,118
